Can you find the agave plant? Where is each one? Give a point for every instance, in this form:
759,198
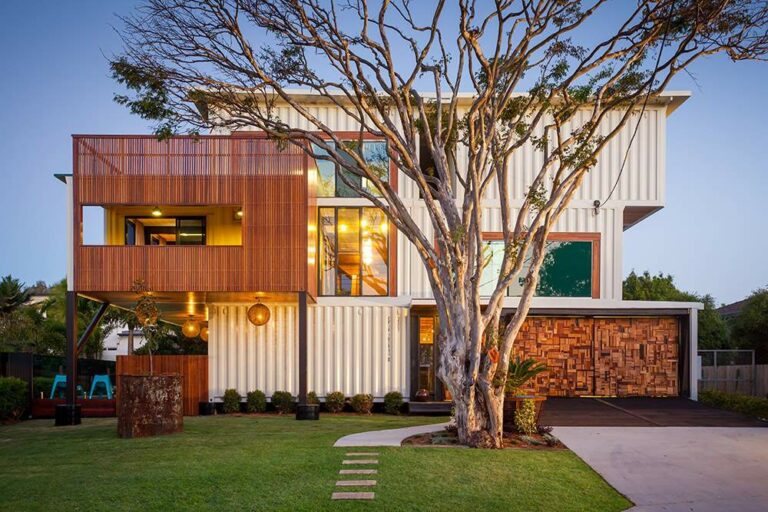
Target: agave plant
521,372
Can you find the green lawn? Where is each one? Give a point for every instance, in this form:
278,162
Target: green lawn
276,463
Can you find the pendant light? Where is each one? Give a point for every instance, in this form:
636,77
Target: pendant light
258,314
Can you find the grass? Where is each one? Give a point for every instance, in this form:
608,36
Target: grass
276,463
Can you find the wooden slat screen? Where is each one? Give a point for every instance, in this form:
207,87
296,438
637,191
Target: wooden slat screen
193,369
269,182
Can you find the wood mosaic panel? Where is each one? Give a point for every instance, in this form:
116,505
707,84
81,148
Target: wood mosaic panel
565,346
602,356
636,356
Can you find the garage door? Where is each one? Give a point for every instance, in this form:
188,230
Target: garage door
602,356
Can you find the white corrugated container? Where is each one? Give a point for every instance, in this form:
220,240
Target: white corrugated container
353,349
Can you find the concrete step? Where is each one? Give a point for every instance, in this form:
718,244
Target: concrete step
352,496
360,461
358,471
355,483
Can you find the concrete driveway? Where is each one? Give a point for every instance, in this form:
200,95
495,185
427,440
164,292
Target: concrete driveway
697,469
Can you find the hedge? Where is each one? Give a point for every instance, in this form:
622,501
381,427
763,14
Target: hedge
745,404
13,398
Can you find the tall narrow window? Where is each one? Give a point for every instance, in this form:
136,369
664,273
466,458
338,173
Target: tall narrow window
353,247
327,251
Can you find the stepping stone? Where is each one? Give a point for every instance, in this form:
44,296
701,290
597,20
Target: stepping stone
355,483
352,496
358,471
360,461
362,454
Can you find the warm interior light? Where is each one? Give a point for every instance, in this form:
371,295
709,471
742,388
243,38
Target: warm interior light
384,228
191,328
156,211
364,223
239,214
367,251
204,334
343,228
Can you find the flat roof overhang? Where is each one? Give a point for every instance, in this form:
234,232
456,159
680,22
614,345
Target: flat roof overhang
177,307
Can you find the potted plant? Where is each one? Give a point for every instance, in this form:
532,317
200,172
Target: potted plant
518,375
149,404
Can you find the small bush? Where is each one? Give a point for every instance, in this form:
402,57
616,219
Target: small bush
544,429
745,404
13,398
393,402
42,385
283,401
334,402
256,401
312,398
231,401
362,403
525,418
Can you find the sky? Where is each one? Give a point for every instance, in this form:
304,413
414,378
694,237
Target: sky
711,236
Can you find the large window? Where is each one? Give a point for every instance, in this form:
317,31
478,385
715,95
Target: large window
165,231
330,183
353,248
567,270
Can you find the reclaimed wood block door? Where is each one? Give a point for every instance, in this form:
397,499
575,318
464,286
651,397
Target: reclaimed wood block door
636,356
565,346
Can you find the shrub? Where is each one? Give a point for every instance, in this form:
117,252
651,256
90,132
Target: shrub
362,403
312,398
283,401
42,385
525,418
393,402
13,398
745,404
231,401
256,401
334,402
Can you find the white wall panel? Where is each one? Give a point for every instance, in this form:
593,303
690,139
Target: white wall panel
353,349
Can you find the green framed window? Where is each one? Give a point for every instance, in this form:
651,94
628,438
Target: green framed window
567,270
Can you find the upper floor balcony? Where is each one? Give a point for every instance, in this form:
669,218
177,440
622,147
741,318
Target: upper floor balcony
192,214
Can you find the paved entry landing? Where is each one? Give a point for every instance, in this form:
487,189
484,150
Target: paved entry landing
639,412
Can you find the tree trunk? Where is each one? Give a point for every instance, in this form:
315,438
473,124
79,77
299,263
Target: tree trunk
130,341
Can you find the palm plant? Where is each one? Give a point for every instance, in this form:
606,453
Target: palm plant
12,294
521,372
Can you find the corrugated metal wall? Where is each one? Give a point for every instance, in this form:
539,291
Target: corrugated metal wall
412,275
353,349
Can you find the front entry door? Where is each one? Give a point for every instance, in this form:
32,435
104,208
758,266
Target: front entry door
426,357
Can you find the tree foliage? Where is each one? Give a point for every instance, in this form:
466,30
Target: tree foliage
750,326
229,64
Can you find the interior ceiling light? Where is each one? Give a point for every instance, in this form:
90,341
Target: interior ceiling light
156,211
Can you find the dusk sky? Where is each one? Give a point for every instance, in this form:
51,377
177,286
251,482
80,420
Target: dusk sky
711,235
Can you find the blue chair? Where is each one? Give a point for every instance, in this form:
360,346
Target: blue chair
104,381
61,381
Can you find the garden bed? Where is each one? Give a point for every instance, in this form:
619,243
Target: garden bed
444,438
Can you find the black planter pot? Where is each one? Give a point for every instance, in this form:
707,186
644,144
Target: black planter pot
207,408
308,412
68,414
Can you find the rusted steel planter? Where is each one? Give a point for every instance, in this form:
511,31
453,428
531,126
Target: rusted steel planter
513,403
149,405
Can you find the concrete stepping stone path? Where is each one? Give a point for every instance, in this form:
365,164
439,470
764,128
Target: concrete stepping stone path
341,484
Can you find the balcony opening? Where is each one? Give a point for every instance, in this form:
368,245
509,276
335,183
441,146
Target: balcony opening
160,225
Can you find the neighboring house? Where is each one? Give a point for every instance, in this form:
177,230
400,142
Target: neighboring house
116,344
217,223
732,310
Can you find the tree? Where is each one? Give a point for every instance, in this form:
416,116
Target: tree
750,326
12,294
117,317
226,64
713,330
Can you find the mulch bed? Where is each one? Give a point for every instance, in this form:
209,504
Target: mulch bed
444,438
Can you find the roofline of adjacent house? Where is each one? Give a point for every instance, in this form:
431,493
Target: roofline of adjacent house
62,177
